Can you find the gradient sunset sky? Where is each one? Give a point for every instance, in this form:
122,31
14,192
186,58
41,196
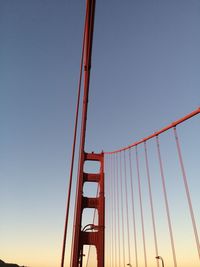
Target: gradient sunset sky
145,74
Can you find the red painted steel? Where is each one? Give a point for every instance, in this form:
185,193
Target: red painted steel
90,238
133,210
97,238
151,201
122,210
187,191
166,201
80,237
118,210
141,206
173,124
127,209
73,154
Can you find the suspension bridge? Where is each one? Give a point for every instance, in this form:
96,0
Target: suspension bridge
138,216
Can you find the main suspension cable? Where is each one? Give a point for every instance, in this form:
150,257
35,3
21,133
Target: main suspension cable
73,150
170,126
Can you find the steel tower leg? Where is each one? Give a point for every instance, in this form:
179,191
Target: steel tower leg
81,238
95,238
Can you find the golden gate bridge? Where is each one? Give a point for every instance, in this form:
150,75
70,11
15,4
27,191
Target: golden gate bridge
127,181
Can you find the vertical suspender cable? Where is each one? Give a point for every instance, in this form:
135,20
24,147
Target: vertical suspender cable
118,205
107,215
114,210
122,213
106,193
133,210
151,200
127,213
117,213
110,213
112,218
109,207
187,191
141,208
73,152
166,201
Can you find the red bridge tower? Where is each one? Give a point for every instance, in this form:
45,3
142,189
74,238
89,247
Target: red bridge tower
81,238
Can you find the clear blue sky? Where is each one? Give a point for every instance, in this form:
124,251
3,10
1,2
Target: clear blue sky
145,74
